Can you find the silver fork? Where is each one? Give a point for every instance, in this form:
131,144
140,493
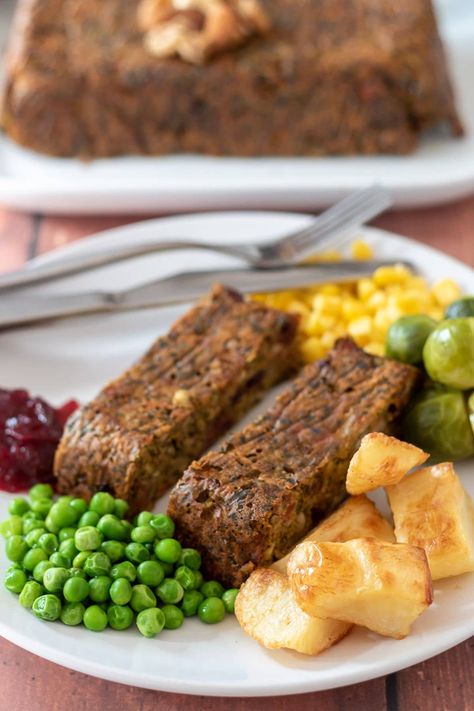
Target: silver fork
330,228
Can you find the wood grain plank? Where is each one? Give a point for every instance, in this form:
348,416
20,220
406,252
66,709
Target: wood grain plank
449,228
445,683
48,687
16,230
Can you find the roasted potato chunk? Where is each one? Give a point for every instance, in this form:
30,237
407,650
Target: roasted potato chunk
379,585
267,611
432,510
381,461
355,518
266,607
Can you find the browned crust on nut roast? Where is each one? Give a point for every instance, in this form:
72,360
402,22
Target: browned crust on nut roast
142,430
331,77
249,503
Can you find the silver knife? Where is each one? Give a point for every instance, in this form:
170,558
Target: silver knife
21,309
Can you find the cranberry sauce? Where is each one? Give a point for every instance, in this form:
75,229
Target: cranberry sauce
30,430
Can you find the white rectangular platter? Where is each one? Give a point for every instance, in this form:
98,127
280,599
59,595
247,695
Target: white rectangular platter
442,168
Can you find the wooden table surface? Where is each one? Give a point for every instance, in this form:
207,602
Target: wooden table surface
444,683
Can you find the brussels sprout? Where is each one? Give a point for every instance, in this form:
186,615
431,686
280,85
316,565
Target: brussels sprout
406,338
460,308
449,353
438,422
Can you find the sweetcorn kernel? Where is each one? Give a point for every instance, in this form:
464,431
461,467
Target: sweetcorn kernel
365,288
446,291
398,274
352,309
360,329
312,349
376,348
361,250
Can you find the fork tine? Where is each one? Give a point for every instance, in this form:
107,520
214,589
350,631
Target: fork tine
360,205
347,220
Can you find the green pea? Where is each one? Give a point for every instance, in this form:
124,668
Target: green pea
142,597
68,548
150,572
48,542
124,570
102,503
168,550
40,569
163,525
81,558
72,613
30,593
54,579
41,507
114,549
75,589
211,610
77,573
97,564
32,558
120,617
87,538
29,514
32,538
120,508
170,591
173,617
79,505
167,567
47,607
212,589
191,558
191,601
136,552
18,506
89,518
95,618
29,524
151,621
59,560
63,514
121,591
50,525
143,518
128,526
41,491
66,533
111,527
186,577
64,499
12,526
143,534
99,588
228,598
15,580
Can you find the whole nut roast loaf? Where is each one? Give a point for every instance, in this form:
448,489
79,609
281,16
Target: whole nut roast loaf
246,505
226,77
144,428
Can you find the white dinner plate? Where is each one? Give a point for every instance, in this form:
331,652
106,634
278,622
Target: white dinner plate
441,169
74,358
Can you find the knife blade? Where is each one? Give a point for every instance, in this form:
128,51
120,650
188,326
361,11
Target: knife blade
182,287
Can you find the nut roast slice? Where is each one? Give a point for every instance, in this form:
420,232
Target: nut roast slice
144,428
246,505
